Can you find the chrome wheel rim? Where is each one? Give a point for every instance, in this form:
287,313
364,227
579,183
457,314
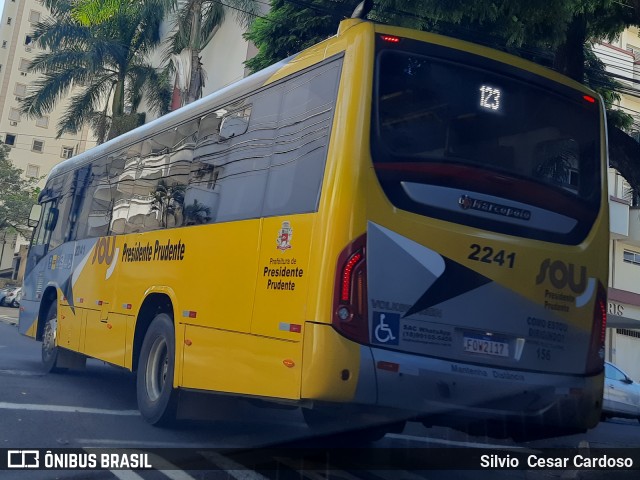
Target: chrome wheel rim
157,368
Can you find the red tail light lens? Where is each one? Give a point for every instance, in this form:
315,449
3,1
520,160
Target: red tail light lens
347,276
595,356
390,38
350,316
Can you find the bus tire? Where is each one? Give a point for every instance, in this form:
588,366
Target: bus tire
157,399
50,349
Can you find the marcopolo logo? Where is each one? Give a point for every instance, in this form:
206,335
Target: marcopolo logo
468,203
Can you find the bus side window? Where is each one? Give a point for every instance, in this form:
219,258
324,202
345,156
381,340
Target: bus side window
61,227
300,148
158,195
229,175
122,174
95,209
42,234
235,123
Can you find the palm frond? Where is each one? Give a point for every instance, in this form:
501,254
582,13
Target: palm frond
246,11
83,106
47,91
157,90
54,33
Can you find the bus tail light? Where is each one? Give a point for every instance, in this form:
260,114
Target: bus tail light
595,356
350,316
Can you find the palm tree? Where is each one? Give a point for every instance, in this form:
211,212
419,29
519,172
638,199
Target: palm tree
195,24
196,213
103,57
167,200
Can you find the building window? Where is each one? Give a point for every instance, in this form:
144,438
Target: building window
8,20
42,122
631,257
38,146
34,17
24,65
28,39
14,115
33,171
4,44
20,90
628,332
67,152
10,139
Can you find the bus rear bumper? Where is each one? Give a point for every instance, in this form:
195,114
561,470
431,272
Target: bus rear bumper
469,397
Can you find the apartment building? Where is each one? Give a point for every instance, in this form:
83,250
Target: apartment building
34,146
623,333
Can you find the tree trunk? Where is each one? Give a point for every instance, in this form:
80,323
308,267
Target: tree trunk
569,58
117,106
194,43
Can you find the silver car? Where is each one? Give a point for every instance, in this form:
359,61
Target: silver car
10,297
621,394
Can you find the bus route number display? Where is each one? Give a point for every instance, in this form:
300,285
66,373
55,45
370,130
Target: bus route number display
490,97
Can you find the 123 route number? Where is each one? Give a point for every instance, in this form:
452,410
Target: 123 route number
489,255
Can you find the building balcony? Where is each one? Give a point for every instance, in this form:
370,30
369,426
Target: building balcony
634,226
620,218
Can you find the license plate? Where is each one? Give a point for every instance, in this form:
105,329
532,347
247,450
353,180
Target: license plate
486,346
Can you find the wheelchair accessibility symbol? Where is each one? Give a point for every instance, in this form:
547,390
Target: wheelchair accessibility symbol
386,327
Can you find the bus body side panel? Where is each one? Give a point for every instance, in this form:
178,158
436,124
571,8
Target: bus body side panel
209,268
341,218
59,268
282,282
265,361
94,291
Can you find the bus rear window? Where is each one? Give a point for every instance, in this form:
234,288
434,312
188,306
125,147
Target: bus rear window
446,123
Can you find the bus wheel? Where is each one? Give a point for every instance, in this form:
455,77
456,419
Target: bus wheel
157,399
49,348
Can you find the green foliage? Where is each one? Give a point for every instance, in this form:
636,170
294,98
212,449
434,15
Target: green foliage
290,27
97,52
17,195
194,25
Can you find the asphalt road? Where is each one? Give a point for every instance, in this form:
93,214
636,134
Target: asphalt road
96,408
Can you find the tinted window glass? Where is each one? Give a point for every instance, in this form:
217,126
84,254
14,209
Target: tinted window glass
487,128
613,373
300,148
435,110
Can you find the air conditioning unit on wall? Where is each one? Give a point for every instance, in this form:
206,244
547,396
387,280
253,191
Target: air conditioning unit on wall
13,124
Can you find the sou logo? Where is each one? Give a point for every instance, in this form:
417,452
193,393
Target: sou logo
562,275
104,251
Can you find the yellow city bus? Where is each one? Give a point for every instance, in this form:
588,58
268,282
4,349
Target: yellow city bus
389,221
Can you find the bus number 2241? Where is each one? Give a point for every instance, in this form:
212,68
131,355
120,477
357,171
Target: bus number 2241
489,255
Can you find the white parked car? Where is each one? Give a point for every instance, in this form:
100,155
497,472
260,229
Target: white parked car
12,298
621,394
